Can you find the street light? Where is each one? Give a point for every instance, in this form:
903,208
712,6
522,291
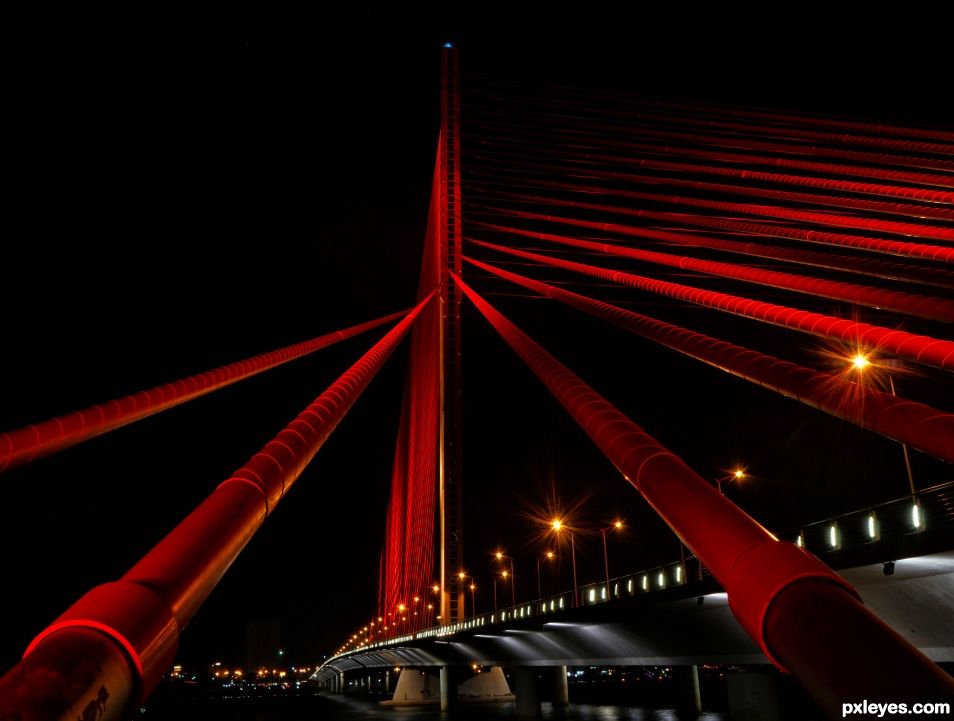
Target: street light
617,525
736,475
499,555
460,577
503,575
558,525
550,555
860,362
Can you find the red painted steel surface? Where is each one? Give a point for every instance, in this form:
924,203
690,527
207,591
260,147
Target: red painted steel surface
878,245
910,303
24,445
408,555
875,267
914,230
935,203
920,348
754,567
594,135
920,426
145,610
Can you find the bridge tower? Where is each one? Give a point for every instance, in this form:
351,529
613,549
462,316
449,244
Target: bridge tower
449,245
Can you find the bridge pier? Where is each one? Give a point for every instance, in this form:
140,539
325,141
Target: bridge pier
689,701
752,696
448,692
341,682
561,688
528,696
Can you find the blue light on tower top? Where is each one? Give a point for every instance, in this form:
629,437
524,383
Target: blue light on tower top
448,45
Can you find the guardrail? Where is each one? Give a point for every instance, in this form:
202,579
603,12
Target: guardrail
891,526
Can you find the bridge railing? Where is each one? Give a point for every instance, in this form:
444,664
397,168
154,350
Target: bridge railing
902,520
887,527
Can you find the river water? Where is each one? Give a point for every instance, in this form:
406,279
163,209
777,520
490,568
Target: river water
327,707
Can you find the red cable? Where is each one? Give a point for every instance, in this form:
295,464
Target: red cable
920,348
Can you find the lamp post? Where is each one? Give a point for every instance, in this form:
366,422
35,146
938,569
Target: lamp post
557,525
617,525
549,557
499,555
860,362
737,475
460,578
473,603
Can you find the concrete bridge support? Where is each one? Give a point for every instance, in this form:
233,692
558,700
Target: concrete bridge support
687,687
448,690
752,696
528,696
561,688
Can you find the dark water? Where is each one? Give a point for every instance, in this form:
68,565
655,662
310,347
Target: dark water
327,707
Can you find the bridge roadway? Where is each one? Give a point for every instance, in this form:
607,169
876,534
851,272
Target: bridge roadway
667,627
654,617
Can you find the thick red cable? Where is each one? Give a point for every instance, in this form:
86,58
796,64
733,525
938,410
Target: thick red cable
918,425
757,570
821,237
922,306
145,611
24,445
876,267
920,348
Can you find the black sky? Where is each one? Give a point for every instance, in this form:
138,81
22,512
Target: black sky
178,202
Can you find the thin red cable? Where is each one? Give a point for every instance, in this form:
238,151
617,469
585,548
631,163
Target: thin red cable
918,425
144,612
592,139
918,305
821,237
920,348
838,201
922,275
27,444
914,230
758,571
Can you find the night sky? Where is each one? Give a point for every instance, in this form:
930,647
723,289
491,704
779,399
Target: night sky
177,203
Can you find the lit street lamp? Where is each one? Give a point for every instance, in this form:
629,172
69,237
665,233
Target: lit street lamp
737,475
860,362
617,525
513,578
503,575
460,577
557,525
549,557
